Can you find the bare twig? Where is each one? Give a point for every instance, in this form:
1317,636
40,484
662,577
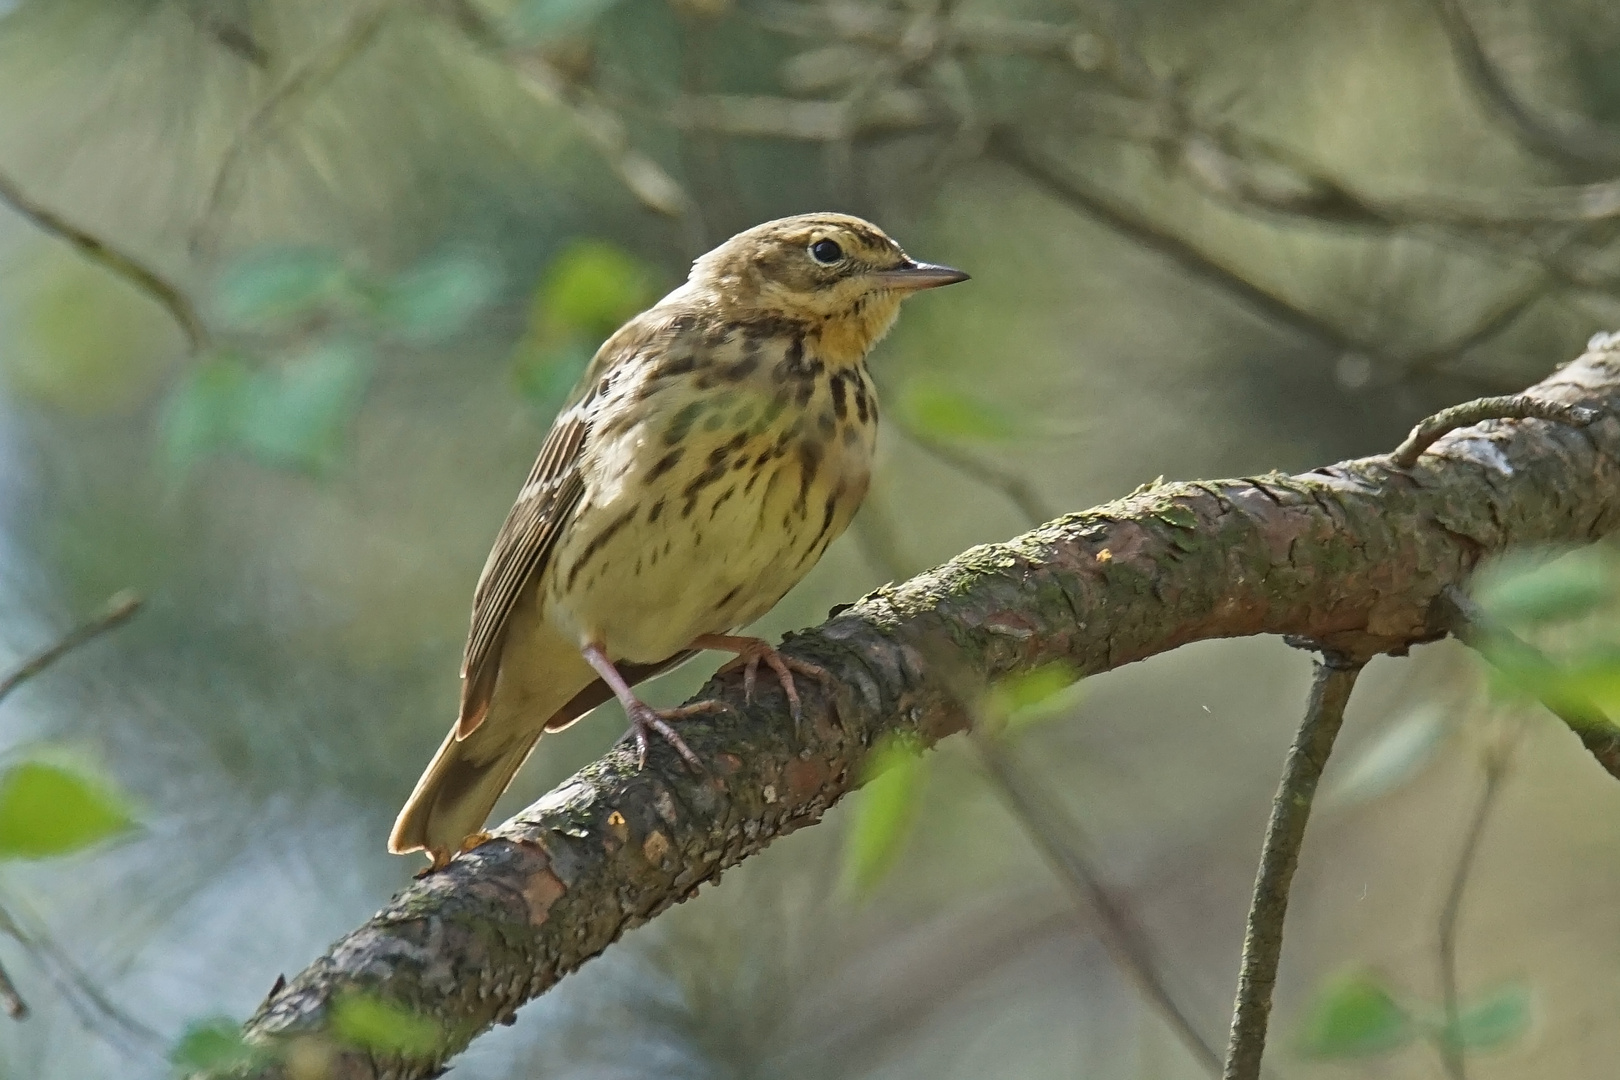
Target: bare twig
1279,856
1581,144
117,612
111,258
306,79
10,999
1585,717
1497,763
1510,407
1062,841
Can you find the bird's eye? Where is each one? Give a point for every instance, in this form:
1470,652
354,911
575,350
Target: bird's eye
826,252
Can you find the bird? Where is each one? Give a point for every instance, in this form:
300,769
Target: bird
714,447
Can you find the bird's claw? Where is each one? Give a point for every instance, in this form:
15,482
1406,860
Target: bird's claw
645,718
784,667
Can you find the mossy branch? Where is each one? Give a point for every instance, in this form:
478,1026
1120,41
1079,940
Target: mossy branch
1355,557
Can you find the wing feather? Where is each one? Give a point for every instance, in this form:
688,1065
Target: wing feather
526,538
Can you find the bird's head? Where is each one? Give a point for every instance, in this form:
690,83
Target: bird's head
842,276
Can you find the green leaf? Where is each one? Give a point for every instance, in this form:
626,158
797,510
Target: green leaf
1590,677
550,18
214,1043
545,376
1352,1015
274,286
370,1023
1396,755
1493,1020
434,300
50,809
200,416
589,290
946,414
885,813
1041,694
1526,589
296,415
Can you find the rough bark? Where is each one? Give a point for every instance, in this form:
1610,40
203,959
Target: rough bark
1354,556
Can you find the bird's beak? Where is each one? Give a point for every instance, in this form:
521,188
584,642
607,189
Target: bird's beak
911,275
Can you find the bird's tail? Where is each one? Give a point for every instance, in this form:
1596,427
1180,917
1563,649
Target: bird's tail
453,798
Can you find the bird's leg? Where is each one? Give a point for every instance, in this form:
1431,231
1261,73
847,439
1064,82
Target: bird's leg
643,717
751,652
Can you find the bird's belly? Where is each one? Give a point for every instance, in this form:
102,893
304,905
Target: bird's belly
715,557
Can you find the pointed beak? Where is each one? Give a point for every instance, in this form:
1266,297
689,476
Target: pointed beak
910,276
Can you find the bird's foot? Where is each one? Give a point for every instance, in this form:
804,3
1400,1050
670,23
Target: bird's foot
751,652
644,718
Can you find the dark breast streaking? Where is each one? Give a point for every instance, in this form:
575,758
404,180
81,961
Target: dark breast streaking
764,450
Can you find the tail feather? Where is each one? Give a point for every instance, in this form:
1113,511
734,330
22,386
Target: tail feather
453,798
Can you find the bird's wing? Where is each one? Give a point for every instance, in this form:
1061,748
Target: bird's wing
526,538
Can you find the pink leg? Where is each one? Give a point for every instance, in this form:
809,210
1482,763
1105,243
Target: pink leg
751,651
643,717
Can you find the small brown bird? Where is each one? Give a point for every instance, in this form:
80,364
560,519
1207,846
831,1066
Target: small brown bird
715,446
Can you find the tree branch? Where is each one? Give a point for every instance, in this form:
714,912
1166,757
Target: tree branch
1279,857
110,258
1352,555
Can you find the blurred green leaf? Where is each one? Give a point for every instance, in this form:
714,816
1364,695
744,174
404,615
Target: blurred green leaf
547,18
434,299
545,376
50,809
213,1043
273,286
590,289
296,415
1352,1015
1397,754
1041,694
1493,1020
200,417
885,813
1590,677
370,1023
1527,589
946,414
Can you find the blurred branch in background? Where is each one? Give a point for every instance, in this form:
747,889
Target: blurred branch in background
1062,842
1279,856
111,258
1352,556
303,82
119,610
1573,142
1497,761
76,988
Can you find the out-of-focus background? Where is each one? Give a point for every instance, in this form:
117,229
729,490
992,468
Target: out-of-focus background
1206,239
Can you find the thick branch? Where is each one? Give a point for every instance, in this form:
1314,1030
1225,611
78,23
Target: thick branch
1352,555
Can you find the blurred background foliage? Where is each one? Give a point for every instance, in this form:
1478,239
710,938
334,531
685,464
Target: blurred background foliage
1207,238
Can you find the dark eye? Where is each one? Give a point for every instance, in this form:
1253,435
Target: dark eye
826,252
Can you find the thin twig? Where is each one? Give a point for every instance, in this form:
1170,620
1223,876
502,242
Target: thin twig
1497,644
110,258
10,999
117,612
1451,1050
1510,407
1581,144
1279,856
1062,841
308,78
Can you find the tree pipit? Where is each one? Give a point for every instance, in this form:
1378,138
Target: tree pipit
714,447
